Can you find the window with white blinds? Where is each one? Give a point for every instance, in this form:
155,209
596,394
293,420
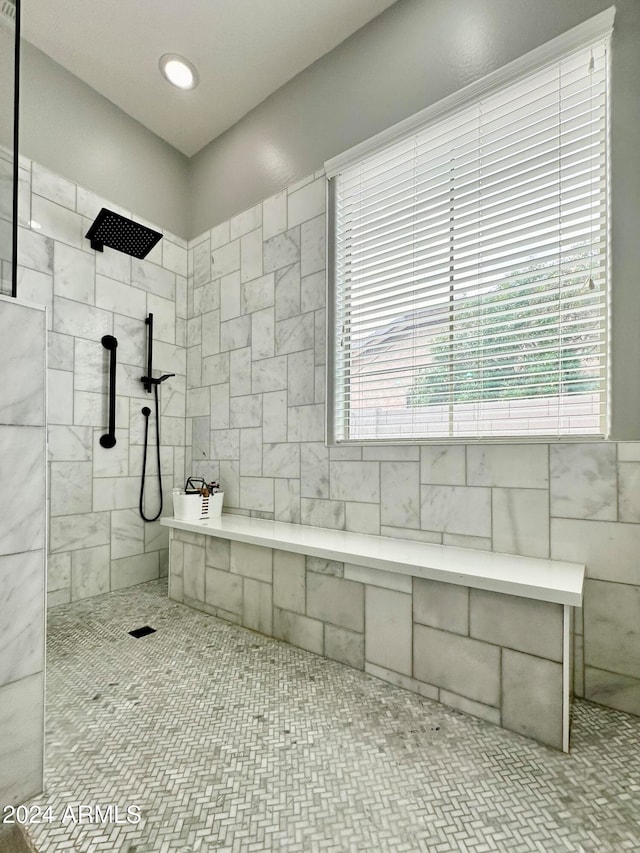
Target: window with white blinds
469,263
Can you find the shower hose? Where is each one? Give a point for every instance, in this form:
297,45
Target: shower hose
146,411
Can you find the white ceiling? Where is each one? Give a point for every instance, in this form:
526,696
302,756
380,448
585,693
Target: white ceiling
243,49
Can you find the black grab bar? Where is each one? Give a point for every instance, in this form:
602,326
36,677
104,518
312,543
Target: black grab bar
109,439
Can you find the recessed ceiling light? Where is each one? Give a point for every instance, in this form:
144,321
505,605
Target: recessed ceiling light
178,71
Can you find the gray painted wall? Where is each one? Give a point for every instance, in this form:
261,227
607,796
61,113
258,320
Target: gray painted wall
412,55
72,130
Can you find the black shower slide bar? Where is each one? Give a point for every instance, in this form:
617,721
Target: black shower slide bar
109,439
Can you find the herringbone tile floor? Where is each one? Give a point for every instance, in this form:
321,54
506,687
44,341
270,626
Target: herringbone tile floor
229,741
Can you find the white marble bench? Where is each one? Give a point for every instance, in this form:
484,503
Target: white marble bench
487,633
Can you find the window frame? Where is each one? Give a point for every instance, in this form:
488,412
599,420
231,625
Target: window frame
596,28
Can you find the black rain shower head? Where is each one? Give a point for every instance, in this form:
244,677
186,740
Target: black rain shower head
116,231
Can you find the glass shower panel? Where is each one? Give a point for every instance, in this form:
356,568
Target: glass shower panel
9,15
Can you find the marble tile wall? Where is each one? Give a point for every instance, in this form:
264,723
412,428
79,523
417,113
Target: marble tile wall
255,418
497,657
6,219
97,539
22,548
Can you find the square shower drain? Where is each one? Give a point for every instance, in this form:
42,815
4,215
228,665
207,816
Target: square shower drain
142,632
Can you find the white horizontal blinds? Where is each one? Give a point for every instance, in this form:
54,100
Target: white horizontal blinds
471,270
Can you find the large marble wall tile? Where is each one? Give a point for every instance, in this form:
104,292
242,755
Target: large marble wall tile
298,630
518,465
251,561
22,360
287,500
301,378
57,222
306,423
335,600
322,513
230,296
115,296
224,260
362,518
295,334
113,461
441,605
127,533
269,374
312,245
74,274
220,414
532,697
22,484
263,334
90,572
174,254
251,255
36,288
389,453
629,491
113,264
257,493
583,481
247,220
313,291
205,298
612,627
400,494
21,615
281,460
60,351
21,739
257,606
235,333
82,321
58,572
289,581
288,292
466,667
609,550
70,443
240,372
274,417
72,532
225,444
355,481
35,251
521,521
388,634
612,689
274,215
53,187
442,465
153,278
518,623
130,571
215,369
307,202
456,509
246,411
251,454
71,487
257,294
201,266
